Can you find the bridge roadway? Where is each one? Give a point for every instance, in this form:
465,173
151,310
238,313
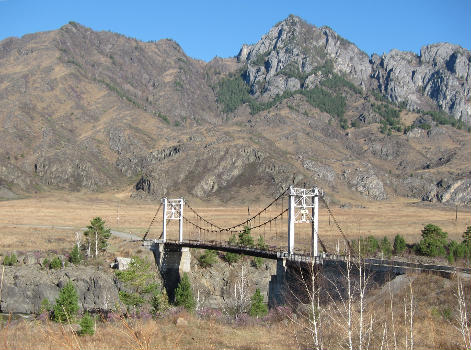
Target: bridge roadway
398,267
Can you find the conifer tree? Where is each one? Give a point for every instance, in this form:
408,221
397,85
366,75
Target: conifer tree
183,294
96,236
258,307
66,306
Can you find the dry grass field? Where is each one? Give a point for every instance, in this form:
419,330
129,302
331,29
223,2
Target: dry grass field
386,325
49,221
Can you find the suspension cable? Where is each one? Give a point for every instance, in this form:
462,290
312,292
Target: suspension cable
337,224
153,219
244,223
202,218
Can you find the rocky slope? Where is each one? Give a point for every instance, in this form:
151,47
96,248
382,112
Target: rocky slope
81,109
439,75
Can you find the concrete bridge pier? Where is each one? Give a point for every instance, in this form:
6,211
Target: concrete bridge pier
172,262
277,284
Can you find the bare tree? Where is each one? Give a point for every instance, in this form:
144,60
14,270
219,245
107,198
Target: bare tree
463,323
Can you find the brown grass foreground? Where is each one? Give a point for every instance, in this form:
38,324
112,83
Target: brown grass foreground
148,334
435,326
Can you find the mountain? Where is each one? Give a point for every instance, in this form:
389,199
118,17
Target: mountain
99,111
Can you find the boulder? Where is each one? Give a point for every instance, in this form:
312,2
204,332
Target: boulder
121,263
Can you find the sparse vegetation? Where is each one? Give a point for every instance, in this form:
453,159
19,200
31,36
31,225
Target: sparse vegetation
433,241
326,101
55,263
75,255
66,306
208,258
140,281
399,244
87,325
257,307
10,260
96,236
184,295
245,238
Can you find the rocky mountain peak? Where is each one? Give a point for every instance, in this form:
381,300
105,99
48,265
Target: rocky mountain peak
287,56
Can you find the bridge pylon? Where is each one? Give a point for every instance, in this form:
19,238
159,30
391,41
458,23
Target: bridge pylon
300,201
172,210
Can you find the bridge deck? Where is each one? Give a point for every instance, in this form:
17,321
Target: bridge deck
273,253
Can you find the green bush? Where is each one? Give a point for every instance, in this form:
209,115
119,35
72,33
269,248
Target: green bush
66,306
257,262
433,241
231,258
467,237
232,92
245,239
55,263
46,262
399,244
75,256
386,247
6,260
131,299
184,295
87,325
10,260
335,82
325,101
261,243
140,280
258,307
45,306
208,258
159,302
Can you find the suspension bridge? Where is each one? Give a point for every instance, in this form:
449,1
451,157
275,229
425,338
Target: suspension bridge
288,227
272,227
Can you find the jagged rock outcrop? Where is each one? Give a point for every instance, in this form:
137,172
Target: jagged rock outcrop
285,59
365,181
25,287
450,191
440,73
289,53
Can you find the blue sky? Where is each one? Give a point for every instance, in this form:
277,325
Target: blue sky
206,29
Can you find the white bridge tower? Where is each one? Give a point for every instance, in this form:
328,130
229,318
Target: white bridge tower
172,210
300,201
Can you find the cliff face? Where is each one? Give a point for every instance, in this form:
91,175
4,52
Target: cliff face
81,109
439,76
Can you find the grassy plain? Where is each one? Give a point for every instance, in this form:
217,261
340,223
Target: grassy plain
49,221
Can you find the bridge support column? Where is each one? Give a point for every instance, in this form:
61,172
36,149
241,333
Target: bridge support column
164,221
277,285
172,262
291,219
315,221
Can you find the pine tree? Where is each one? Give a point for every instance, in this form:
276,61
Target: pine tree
258,307
467,237
66,306
245,239
184,295
97,236
399,244
75,256
87,325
